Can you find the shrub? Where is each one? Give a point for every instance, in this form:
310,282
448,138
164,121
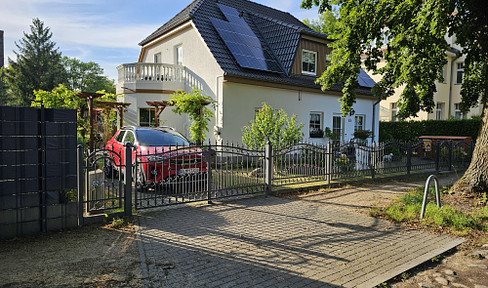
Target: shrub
411,130
274,126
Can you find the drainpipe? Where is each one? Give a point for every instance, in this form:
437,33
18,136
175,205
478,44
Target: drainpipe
374,118
450,83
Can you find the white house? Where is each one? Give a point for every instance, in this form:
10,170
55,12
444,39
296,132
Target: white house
241,54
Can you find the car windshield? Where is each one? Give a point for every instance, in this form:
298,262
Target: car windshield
160,138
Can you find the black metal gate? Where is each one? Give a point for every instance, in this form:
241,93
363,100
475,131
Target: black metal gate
179,175
105,182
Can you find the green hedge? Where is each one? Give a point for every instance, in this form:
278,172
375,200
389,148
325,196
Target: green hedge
411,130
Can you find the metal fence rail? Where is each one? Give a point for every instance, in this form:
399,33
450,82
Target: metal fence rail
175,175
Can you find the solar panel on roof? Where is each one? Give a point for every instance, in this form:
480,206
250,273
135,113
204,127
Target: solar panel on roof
243,44
364,79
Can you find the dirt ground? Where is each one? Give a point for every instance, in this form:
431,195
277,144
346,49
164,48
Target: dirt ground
99,256
92,256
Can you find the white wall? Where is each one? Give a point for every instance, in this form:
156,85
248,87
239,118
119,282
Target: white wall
240,101
198,61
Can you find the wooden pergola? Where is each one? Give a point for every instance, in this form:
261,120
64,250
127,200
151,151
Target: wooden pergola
159,107
90,97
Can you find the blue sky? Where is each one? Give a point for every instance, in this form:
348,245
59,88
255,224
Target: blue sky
103,31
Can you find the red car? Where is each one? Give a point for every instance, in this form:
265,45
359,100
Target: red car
159,154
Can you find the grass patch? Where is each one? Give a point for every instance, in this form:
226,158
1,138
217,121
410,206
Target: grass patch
408,208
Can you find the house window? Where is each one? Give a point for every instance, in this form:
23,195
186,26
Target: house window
309,62
316,125
459,73
438,111
146,117
157,58
179,55
444,73
337,125
457,112
359,123
394,111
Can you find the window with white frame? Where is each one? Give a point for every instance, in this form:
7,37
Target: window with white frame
309,62
337,125
179,55
146,117
359,122
438,111
394,111
157,58
458,114
459,73
316,125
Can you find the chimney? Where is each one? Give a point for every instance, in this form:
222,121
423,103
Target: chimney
1,49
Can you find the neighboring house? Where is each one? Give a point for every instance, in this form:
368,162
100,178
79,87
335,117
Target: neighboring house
446,99
241,54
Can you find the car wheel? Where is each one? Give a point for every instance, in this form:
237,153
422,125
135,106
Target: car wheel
140,184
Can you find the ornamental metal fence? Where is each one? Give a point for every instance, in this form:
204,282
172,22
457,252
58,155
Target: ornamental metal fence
116,181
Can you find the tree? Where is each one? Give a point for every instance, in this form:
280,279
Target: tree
326,24
4,99
413,32
196,106
273,126
38,65
62,97
86,76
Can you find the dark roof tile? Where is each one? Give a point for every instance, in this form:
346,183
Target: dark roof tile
279,33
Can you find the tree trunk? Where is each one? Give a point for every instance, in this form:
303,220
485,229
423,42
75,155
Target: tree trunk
475,178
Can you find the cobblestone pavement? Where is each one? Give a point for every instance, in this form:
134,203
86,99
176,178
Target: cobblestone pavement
276,242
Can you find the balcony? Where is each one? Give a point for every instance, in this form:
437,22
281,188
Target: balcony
153,78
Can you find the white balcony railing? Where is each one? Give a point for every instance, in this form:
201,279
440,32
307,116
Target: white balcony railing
156,76
132,72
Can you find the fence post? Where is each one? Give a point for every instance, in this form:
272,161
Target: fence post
372,159
208,156
450,155
328,162
268,174
128,180
80,179
409,157
437,156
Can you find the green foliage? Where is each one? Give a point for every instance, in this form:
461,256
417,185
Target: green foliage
37,67
273,126
413,33
326,24
195,105
333,136
362,134
86,76
4,99
409,207
411,130
62,97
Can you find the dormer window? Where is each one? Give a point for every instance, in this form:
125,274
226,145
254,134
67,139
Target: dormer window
309,62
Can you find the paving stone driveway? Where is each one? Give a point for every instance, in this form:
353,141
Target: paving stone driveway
276,242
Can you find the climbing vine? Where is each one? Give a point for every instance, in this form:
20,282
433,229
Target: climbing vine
195,104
